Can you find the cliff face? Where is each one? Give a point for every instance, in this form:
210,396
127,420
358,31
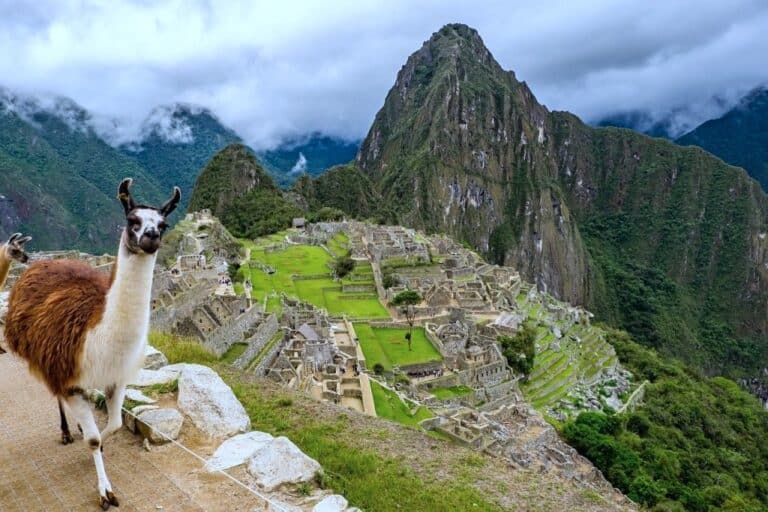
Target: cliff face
665,241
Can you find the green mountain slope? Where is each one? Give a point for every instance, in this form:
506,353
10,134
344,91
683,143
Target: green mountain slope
237,189
740,137
664,241
58,179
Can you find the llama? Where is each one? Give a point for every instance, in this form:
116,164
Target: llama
79,329
11,250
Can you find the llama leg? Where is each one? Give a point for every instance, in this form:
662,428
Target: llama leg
82,413
115,396
66,437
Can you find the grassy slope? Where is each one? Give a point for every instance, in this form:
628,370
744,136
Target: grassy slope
389,406
380,466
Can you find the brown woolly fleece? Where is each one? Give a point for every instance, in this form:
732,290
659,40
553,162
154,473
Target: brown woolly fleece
51,309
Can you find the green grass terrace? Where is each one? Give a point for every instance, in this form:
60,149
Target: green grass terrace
304,272
387,346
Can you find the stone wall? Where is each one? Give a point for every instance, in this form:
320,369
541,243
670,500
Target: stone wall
263,367
264,332
220,339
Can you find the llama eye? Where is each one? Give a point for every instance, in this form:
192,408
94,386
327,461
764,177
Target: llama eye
163,226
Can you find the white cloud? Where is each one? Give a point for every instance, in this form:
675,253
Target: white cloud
276,69
300,166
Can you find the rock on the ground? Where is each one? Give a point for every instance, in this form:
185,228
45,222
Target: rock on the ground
137,396
333,503
152,377
153,358
236,450
166,421
209,402
129,419
279,462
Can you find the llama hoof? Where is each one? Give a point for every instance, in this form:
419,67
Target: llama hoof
112,499
104,503
66,438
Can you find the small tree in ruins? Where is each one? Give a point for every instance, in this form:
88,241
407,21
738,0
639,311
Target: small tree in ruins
406,300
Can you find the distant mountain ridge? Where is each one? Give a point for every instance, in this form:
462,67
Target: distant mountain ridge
740,137
59,169
312,155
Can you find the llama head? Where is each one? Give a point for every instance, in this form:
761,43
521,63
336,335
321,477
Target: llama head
13,249
145,224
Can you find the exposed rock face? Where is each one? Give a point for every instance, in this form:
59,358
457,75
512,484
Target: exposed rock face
333,503
601,217
153,358
280,462
209,402
151,377
237,450
154,423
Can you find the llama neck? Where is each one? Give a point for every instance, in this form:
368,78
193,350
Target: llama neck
129,296
5,267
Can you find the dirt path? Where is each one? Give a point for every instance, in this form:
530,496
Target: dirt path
39,474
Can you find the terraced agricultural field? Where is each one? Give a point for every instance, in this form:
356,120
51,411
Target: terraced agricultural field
388,346
303,271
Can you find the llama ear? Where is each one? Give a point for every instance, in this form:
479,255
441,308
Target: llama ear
172,203
23,240
13,238
124,195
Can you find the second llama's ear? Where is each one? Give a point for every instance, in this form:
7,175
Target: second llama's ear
172,203
124,195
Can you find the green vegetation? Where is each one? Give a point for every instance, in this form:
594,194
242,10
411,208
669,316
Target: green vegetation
391,407
388,347
235,351
451,392
237,190
181,350
520,349
695,442
343,265
303,271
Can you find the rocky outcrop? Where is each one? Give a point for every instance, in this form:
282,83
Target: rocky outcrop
160,425
237,450
209,402
279,462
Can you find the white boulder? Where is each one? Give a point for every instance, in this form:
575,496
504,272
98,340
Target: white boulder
333,503
279,462
153,358
236,450
151,377
152,424
209,402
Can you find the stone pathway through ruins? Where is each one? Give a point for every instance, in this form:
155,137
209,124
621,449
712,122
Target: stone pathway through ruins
37,473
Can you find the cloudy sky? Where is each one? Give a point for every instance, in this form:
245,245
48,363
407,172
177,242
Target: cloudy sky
273,69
